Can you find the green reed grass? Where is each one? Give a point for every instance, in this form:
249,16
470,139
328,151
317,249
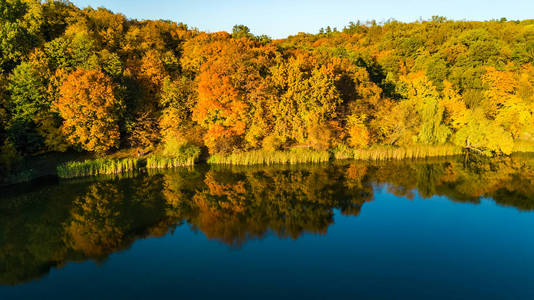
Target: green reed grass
409,152
163,162
263,157
186,155
99,166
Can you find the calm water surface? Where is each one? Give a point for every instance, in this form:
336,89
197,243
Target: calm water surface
429,229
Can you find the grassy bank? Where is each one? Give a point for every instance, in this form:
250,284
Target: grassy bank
117,164
28,168
101,166
189,156
262,157
109,166
184,155
164,162
523,147
391,153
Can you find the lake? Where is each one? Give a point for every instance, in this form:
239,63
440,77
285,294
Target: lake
444,228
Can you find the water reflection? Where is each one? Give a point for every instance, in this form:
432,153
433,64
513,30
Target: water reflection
54,224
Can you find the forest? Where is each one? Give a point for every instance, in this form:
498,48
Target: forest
93,81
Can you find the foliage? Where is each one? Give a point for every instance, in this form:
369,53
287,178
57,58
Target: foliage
8,158
241,31
28,92
90,110
95,81
359,135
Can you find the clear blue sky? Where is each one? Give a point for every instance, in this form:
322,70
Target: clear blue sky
280,18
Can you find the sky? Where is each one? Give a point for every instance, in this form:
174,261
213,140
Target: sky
280,18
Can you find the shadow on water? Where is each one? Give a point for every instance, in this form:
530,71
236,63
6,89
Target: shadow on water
52,223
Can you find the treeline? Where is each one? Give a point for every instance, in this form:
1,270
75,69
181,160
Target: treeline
92,80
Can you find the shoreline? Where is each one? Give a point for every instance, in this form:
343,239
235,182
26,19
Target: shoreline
248,158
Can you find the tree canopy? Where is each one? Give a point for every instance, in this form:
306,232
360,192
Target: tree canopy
92,80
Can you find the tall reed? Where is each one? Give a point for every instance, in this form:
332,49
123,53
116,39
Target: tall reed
263,157
409,152
523,146
185,155
163,162
97,167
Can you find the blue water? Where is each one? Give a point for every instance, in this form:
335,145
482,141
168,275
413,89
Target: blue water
395,248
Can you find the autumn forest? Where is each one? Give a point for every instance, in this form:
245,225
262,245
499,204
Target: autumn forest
147,158
93,81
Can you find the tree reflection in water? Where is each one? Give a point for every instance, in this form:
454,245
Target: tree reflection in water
92,218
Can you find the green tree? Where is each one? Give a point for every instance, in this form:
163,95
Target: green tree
20,25
28,91
241,31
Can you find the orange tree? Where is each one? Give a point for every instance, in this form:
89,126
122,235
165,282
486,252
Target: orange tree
228,84
90,110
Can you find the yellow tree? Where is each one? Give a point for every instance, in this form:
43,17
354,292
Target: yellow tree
426,98
504,103
177,100
307,99
358,133
483,135
419,117
456,113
